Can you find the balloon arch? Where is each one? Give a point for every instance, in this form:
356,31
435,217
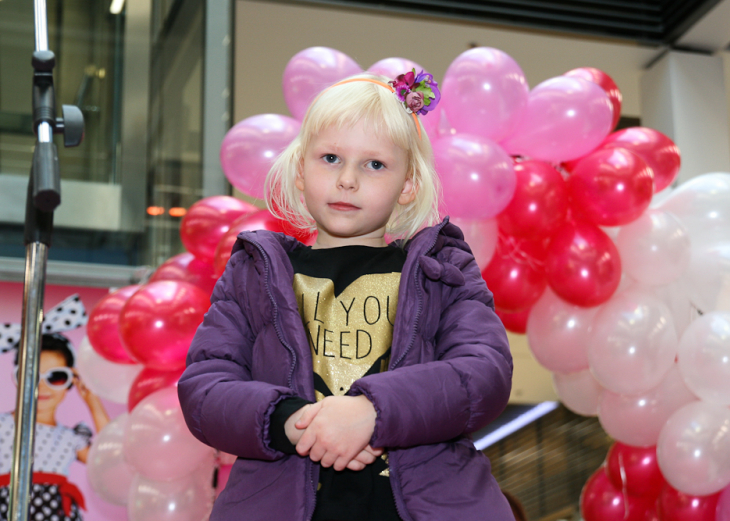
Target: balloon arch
624,295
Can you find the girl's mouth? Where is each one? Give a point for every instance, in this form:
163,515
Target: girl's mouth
343,206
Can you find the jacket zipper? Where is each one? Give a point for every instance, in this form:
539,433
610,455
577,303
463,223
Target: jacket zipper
392,463
280,336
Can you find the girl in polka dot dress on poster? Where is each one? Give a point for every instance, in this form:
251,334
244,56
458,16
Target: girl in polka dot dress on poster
53,497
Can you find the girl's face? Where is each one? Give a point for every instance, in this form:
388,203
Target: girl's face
352,179
50,397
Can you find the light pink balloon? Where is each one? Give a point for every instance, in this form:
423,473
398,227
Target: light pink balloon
565,118
250,148
638,419
481,235
558,333
156,437
311,71
694,449
484,91
185,499
578,391
109,475
477,176
655,249
224,472
633,342
707,278
704,357
676,297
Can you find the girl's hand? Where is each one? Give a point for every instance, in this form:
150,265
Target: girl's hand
290,429
338,432
366,457
96,407
86,395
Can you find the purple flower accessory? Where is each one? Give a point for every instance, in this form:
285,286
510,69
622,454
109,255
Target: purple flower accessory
419,93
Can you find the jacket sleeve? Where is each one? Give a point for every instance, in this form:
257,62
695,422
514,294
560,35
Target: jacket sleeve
465,388
222,405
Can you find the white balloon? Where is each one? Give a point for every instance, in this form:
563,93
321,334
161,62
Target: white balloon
704,357
703,206
109,475
708,277
632,342
104,378
655,249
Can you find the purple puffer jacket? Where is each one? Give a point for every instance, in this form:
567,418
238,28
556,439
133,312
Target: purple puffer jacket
450,374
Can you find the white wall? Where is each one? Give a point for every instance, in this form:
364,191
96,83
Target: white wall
268,34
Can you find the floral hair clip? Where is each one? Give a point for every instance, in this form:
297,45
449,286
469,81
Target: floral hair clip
419,93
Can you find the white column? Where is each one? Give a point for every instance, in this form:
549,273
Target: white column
683,95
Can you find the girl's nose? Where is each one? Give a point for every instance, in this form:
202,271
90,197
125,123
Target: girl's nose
347,179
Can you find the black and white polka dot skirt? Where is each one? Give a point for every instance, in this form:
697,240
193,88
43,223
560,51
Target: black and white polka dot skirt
45,505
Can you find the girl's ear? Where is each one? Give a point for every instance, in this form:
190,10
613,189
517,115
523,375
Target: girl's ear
408,194
299,179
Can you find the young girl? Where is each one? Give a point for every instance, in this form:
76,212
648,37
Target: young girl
347,376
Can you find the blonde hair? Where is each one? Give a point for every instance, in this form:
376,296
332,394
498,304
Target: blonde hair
344,105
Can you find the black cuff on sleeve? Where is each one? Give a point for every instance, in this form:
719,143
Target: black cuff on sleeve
282,411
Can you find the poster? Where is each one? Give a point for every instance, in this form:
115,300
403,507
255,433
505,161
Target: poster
69,409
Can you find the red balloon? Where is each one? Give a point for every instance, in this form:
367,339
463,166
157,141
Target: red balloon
583,266
540,202
657,150
103,326
206,222
148,381
188,268
611,187
261,220
515,322
674,505
634,470
601,501
158,322
604,81
515,275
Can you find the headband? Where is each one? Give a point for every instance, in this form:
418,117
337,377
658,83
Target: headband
66,316
418,93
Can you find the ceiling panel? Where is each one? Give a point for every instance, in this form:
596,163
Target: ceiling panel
653,22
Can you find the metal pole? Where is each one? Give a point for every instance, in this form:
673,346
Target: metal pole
28,361
21,479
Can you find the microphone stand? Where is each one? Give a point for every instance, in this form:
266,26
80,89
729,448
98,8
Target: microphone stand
44,196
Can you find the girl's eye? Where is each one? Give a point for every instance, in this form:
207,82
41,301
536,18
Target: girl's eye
330,158
376,165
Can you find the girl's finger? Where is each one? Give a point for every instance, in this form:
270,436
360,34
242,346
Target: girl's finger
329,459
308,414
375,452
316,453
355,465
365,458
305,443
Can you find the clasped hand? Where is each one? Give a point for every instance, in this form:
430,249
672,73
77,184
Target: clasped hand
335,432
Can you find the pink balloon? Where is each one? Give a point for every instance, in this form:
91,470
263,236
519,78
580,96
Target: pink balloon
540,202
514,322
655,249
601,501
188,498
484,91
311,71
583,266
558,333
158,443
224,472
565,118
704,357
659,152
207,220
481,235
634,470
250,148
604,81
477,176
694,449
638,419
103,326
723,505
109,475
673,505
187,268
578,391
611,187
158,322
632,343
